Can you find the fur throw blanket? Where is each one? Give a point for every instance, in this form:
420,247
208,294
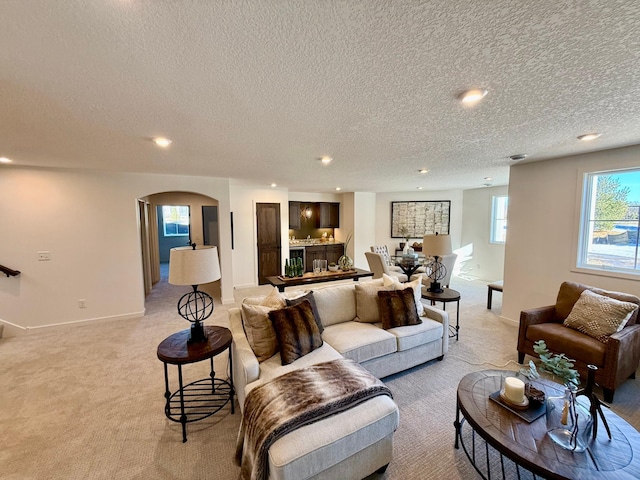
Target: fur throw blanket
296,399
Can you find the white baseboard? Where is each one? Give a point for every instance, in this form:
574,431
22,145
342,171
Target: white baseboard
12,330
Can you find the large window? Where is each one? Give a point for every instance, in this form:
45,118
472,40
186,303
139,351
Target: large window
175,220
499,204
609,222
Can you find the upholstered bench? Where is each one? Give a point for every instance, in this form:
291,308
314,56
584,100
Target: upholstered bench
497,286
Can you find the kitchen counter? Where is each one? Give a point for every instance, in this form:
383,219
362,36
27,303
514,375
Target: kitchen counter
312,243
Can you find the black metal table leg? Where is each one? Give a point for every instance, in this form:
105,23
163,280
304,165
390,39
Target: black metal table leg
183,417
232,390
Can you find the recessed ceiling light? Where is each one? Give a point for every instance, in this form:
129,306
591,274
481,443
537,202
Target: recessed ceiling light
472,96
419,188
589,136
274,185
423,170
162,142
517,158
488,178
338,189
326,160
5,160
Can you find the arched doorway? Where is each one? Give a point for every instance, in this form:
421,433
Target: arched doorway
203,229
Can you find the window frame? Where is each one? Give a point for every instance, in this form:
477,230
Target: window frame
494,207
164,222
585,199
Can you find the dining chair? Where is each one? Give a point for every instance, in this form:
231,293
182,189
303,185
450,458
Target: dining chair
378,266
384,251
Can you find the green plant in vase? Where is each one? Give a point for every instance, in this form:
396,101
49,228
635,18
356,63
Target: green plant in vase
569,423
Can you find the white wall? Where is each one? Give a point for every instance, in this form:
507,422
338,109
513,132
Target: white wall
477,258
544,209
364,228
89,223
243,201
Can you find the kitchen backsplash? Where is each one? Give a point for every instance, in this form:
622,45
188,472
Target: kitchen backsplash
311,232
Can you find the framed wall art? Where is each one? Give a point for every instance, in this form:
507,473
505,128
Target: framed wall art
420,218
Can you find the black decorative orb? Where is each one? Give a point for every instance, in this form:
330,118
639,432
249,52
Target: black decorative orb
195,306
437,271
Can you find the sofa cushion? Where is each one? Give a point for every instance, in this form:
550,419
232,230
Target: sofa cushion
336,304
259,330
310,298
599,316
416,285
367,302
297,331
273,367
398,308
573,344
412,336
360,341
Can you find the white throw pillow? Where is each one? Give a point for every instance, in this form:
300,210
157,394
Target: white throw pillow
416,285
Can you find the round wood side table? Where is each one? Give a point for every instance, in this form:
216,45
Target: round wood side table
447,295
202,398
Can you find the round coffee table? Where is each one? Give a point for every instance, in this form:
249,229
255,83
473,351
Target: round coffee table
202,398
527,444
447,295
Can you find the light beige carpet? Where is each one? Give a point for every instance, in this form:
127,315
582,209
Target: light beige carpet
87,402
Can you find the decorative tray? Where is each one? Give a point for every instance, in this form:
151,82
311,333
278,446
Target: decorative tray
311,275
533,412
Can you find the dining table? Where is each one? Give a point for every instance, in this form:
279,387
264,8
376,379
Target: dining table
409,263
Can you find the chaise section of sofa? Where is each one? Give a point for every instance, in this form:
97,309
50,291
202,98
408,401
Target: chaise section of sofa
359,441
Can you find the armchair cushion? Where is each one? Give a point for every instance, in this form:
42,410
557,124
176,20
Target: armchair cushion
599,316
574,344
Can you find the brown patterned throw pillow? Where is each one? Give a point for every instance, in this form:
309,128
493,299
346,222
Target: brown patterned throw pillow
310,298
297,331
599,316
398,308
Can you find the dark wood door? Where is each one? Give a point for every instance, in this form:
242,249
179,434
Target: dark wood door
269,238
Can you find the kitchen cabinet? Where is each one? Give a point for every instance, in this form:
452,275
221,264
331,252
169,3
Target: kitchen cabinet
294,215
330,253
334,252
328,215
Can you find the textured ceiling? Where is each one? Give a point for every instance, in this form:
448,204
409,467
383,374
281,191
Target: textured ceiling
258,90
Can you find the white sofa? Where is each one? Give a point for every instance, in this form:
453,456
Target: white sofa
357,442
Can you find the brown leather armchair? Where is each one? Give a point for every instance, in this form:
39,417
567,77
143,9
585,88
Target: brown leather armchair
616,360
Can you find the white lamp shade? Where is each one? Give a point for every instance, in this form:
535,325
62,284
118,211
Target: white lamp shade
436,245
193,267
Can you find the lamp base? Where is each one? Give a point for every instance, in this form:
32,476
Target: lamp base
435,288
197,334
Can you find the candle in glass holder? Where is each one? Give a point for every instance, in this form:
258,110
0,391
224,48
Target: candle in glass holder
514,389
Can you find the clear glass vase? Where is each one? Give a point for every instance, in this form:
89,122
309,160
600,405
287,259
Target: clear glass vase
569,423
345,262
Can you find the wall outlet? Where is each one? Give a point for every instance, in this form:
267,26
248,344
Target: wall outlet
44,256
82,303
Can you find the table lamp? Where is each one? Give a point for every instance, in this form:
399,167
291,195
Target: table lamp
194,266
436,246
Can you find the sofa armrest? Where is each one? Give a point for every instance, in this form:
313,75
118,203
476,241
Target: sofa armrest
442,317
623,353
246,368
